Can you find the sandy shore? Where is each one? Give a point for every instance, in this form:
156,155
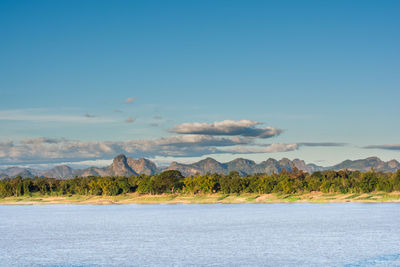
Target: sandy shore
135,198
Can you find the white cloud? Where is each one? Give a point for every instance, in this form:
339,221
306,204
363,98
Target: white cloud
228,127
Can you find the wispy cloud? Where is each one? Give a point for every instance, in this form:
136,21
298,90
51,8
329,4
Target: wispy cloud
322,144
386,147
130,120
129,100
228,127
87,115
40,115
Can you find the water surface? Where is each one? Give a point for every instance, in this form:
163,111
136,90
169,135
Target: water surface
340,234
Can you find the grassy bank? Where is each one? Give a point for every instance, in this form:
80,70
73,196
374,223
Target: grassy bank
135,198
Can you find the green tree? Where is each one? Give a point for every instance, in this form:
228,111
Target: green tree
124,185
396,181
145,185
95,188
167,182
368,182
27,187
4,189
287,185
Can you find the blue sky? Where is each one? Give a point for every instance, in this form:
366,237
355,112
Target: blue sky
319,71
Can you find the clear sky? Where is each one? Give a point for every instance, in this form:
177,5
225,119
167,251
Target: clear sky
81,81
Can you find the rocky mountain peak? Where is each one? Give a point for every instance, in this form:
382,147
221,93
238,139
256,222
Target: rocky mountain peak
120,167
142,166
242,161
285,161
374,159
301,165
393,164
119,158
207,163
208,160
270,161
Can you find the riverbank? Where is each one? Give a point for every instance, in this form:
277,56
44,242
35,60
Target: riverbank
135,198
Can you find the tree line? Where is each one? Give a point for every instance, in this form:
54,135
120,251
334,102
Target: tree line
172,181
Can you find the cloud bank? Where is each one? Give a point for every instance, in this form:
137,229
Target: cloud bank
279,147
196,140
53,150
386,147
56,150
325,144
267,149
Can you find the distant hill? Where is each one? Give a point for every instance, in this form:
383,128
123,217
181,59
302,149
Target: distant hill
19,171
127,166
243,166
367,164
60,172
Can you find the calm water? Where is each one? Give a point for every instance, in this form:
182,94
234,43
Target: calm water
343,234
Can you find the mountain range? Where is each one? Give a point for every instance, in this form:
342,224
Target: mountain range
127,166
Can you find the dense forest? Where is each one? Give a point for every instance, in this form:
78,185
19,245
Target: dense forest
173,182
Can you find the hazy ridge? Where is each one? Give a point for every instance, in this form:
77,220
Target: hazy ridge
127,166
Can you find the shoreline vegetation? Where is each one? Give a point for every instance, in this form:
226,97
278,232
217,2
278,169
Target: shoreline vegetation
171,187
216,198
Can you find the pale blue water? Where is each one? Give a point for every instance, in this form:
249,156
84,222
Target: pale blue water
342,234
